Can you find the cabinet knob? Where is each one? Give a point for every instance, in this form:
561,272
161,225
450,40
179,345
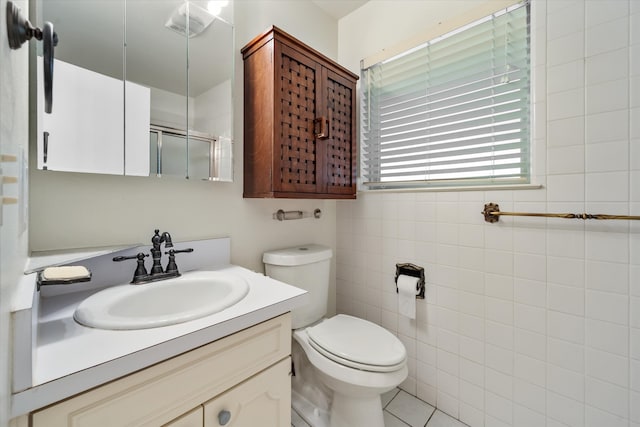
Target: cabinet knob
223,417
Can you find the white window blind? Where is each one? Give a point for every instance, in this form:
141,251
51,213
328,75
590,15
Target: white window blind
453,111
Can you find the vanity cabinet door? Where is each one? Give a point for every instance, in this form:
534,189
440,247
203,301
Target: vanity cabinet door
263,400
190,419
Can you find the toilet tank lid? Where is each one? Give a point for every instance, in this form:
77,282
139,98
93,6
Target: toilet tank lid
299,255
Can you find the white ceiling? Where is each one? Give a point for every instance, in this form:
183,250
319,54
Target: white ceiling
339,8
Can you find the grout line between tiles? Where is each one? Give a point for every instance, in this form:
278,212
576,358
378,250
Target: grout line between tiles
397,418
430,416
629,209
394,396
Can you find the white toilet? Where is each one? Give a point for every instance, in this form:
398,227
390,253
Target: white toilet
354,359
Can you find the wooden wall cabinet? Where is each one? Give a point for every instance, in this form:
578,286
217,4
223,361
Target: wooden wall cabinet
242,380
299,121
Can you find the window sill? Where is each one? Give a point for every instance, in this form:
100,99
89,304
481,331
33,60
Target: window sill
363,189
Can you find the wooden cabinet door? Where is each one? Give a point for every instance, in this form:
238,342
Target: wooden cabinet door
296,161
339,175
263,400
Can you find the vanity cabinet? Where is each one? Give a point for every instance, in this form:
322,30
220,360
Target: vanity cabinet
240,380
299,121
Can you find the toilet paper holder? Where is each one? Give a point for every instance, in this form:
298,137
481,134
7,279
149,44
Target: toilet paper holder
412,270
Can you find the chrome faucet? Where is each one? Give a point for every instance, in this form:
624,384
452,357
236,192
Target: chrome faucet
157,272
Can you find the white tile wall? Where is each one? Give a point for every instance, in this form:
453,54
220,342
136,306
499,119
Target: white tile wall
528,321
608,126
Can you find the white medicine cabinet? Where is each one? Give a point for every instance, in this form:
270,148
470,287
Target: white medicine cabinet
140,87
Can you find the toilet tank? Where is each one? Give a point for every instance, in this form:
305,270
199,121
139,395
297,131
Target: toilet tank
306,267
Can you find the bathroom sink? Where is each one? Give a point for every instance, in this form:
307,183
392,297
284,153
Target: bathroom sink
191,296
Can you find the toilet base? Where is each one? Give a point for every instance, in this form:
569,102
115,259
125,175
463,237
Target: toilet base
311,414
349,411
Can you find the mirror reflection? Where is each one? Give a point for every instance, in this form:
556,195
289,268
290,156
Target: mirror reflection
134,95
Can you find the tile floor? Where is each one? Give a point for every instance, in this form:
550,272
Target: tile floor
401,410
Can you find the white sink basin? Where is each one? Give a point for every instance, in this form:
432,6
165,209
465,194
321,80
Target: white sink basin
193,295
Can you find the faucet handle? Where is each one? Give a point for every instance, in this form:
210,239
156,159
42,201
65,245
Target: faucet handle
139,256
177,251
141,271
171,265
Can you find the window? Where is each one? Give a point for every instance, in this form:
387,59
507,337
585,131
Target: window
453,111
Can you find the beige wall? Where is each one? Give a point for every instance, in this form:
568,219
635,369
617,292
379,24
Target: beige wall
80,210
14,128
527,321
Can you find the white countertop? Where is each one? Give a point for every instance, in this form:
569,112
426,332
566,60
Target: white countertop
70,358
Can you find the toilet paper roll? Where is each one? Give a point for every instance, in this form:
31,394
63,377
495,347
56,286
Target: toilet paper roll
407,295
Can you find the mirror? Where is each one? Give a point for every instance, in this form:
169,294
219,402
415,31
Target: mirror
133,94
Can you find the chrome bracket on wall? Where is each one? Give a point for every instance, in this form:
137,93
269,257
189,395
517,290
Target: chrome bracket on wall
282,215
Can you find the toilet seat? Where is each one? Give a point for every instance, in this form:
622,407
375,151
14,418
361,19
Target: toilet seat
358,344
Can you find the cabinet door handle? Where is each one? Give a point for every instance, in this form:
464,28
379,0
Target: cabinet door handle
223,417
45,149
323,124
50,40
20,30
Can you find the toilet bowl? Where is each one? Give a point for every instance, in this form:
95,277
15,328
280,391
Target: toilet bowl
358,366
356,360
